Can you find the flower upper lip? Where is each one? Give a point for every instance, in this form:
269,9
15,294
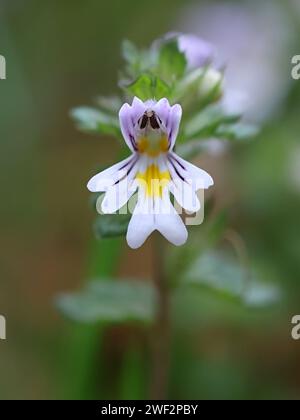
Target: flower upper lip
167,117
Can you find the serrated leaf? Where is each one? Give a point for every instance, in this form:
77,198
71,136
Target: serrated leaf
110,302
161,89
137,61
228,278
147,87
171,61
111,225
141,87
95,121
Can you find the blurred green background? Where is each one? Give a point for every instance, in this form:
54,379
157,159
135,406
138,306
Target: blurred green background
63,54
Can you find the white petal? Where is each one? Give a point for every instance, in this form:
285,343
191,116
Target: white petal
138,108
173,123
109,176
194,175
118,195
141,224
162,109
126,124
169,223
185,195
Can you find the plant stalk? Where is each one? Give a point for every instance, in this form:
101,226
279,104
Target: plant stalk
160,336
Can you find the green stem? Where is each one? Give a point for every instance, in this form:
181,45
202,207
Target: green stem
84,342
160,336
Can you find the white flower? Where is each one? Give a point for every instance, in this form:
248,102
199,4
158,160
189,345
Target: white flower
150,129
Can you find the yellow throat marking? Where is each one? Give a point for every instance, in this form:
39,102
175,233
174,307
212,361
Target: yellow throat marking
153,180
151,148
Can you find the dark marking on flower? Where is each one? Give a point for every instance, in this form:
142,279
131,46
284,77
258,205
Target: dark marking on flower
179,163
133,142
129,165
153,122
143,121
150,118
175,169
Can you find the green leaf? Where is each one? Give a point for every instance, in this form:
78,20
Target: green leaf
206,123
148,87
110,301
161,89
201,239
111,104
187,88
141,87
95,121
171,62
240,131
199,88
230,279
111,225
130,53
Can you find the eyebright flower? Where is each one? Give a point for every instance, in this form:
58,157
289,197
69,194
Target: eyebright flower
197,51
150,129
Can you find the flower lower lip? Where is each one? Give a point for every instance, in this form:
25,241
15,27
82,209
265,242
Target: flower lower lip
153,180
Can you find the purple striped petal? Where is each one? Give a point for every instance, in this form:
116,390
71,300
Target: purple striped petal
173,124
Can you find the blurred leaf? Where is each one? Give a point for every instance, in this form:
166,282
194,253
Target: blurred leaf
135,60
240,131
95,121
206,123
94,197
148,87
111,104
230,279
191,149
198,89
110,301
210,91
161,89
216,227
141,87
201,239
261,294
171,62
111,225
130,52
185,89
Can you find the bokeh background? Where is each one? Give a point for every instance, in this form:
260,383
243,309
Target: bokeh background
61,54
